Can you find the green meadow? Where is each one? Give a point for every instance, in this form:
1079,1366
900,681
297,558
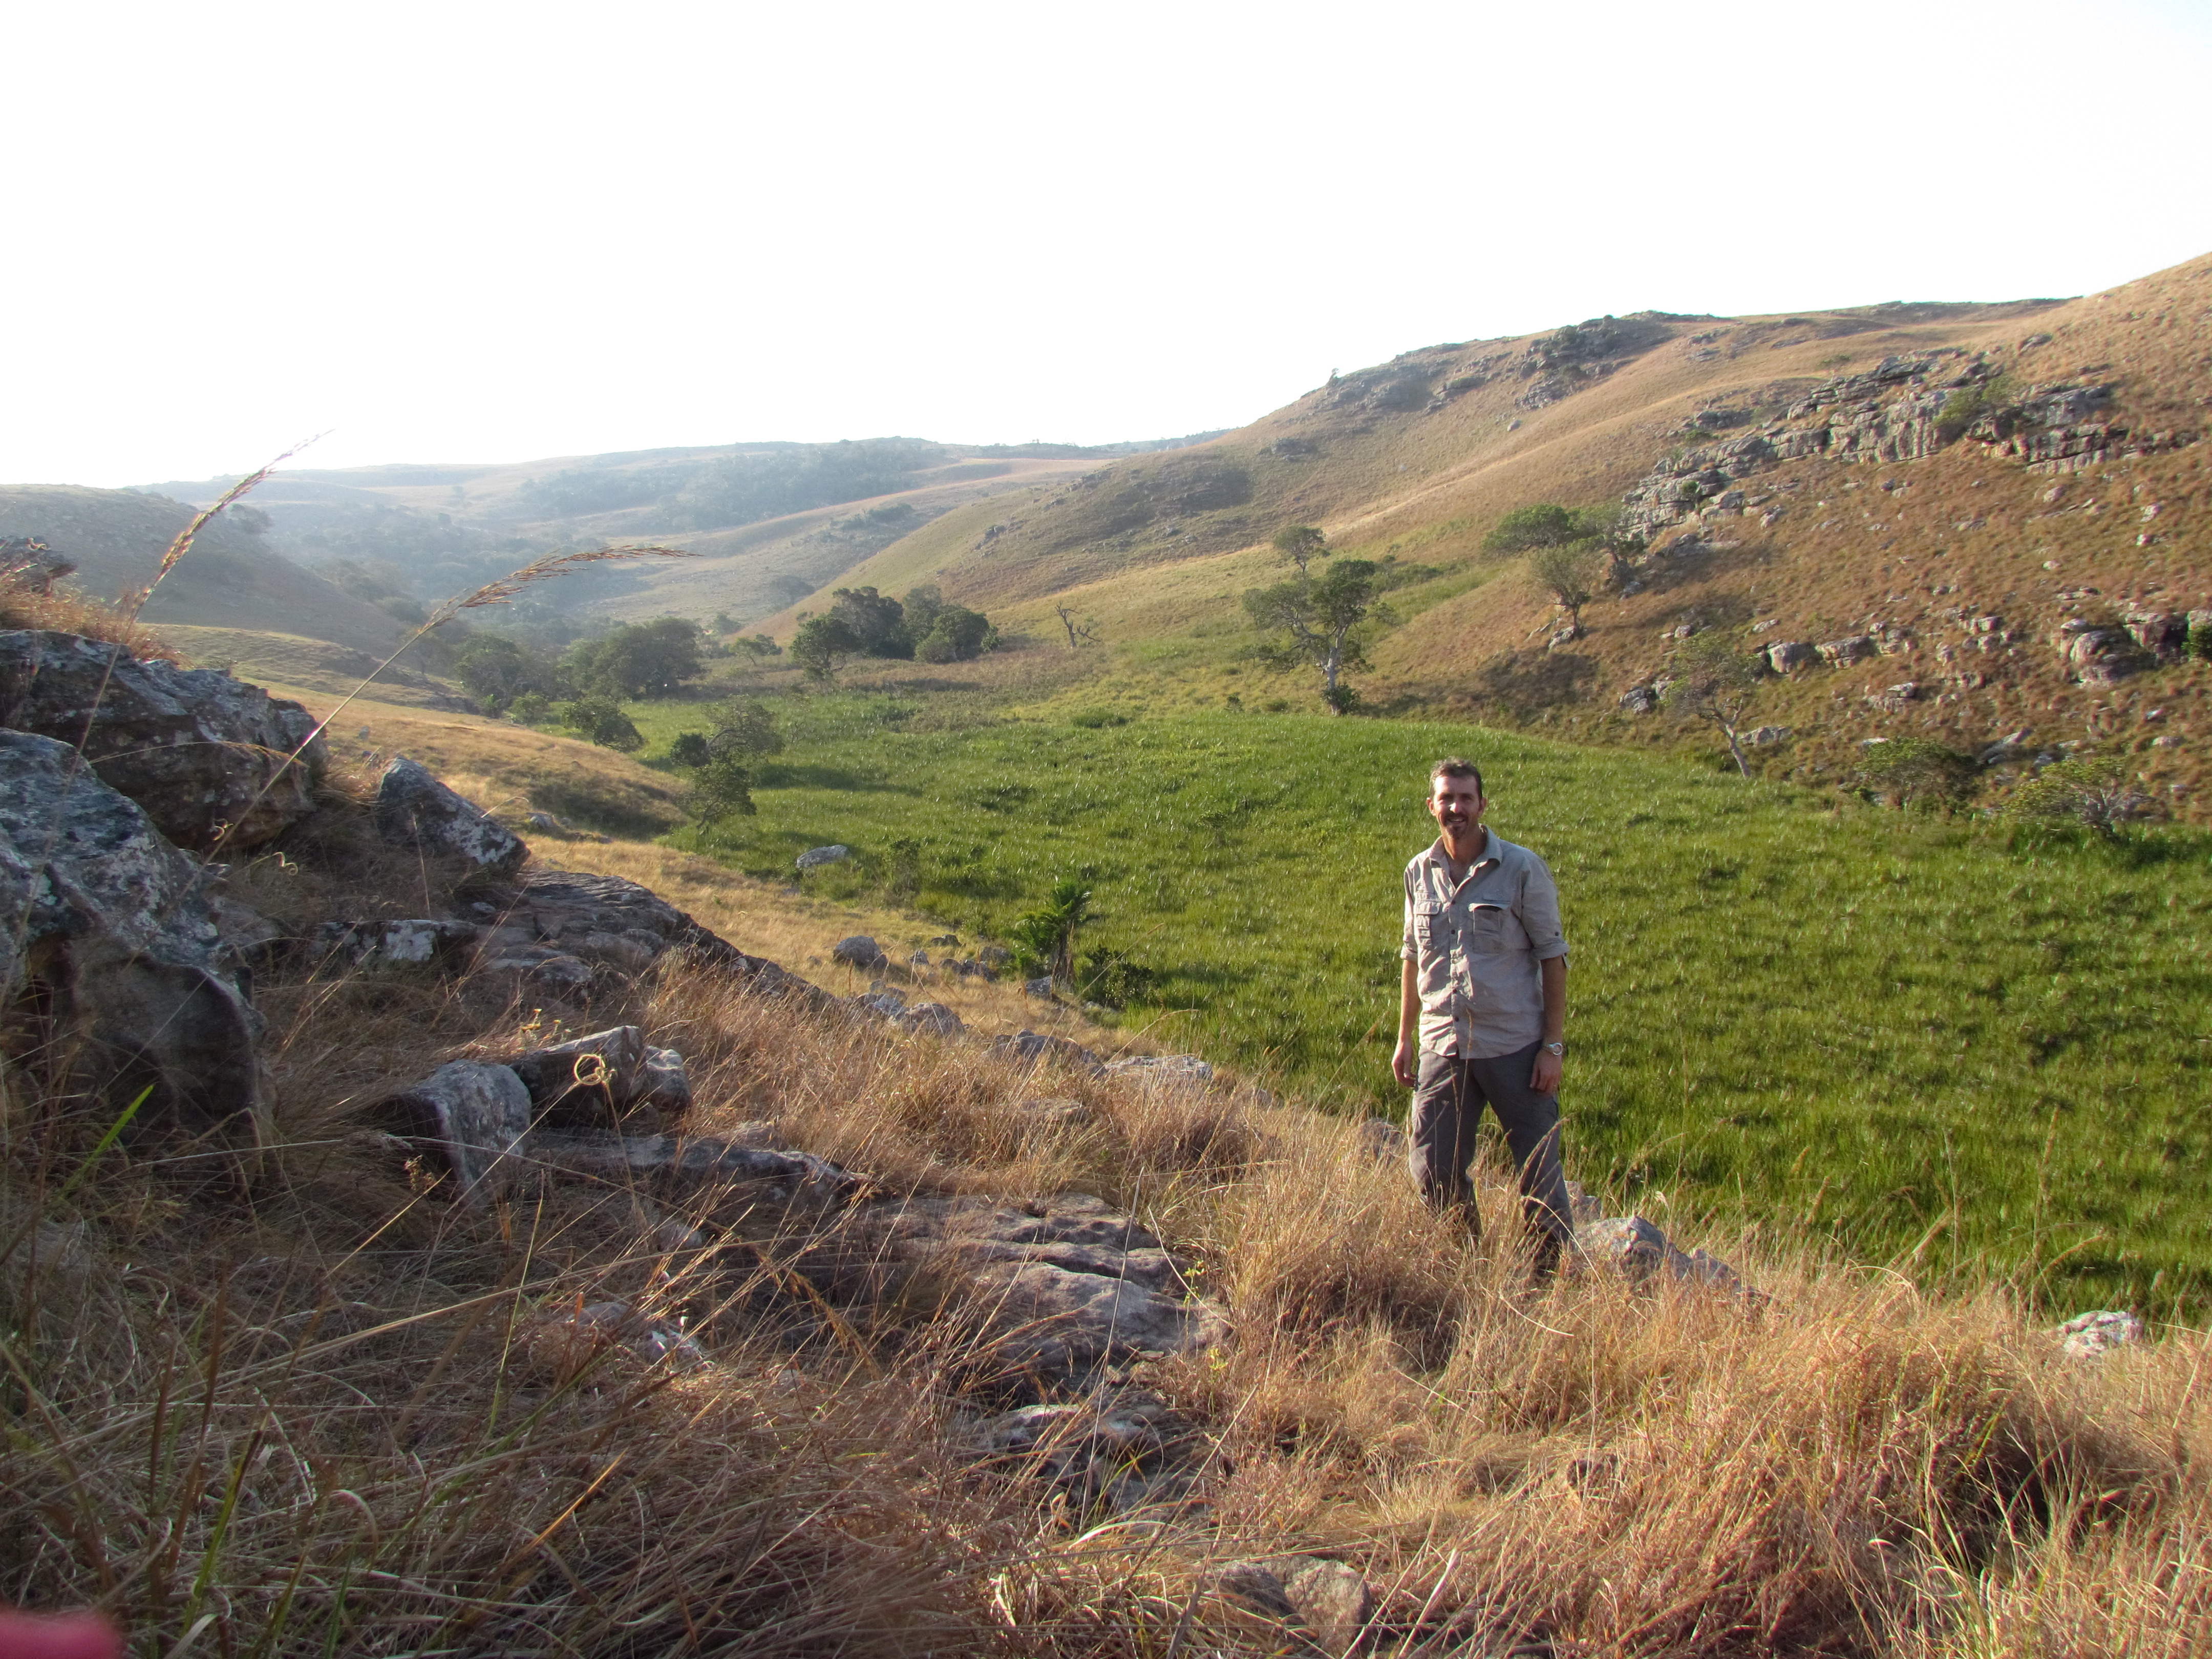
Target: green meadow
1895,1033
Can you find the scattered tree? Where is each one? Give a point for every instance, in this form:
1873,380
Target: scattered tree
1526,528
601,720
744,726
496,670
877,621
690,749
1078,634
1045,938
638,660
1716,682
1569,572
956,634
1320,619
823,645
720,788
1301,544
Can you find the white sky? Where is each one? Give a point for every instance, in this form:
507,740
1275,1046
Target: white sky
477,232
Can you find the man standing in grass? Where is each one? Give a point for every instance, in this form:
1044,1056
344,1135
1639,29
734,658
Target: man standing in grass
1482,1010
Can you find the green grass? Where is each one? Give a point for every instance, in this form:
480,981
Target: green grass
1842,1022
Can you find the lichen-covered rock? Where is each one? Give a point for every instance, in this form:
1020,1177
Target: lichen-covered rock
211,760
1033,1046
476,1115
114,923
1170,1071
621,927
1640,1252
2093,1335
415,942
594,1082
697,1164
413,809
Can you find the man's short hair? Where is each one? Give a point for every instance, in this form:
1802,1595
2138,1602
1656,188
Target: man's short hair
1454,767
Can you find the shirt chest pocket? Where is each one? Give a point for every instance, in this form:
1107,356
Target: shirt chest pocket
1433,928
1490,930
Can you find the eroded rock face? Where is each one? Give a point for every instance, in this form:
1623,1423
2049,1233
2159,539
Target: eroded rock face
413,809
114,922
210,759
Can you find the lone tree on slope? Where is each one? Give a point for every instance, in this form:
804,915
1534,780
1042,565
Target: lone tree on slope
1569,572
1715,681
1320,620
1301,544
823,645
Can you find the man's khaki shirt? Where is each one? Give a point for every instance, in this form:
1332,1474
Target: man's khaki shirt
1474,948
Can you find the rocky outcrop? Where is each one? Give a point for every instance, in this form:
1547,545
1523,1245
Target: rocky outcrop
413,809
598,1081
212,761
114,928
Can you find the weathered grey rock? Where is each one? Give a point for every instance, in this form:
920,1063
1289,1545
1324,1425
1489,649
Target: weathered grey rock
1766,736
1041,987
671,1166
1052,1112
424,941
546,821
815,857
30,566
1581,1206
994,956
116,922
476,1115
595,1082
621,929
1326,1605
1639,699
1065,1285
413,809
1162,1071
886,1004
930,1019
2097,656
1640,1252
211,760
1785,656
2093,1335
1382,1140
1036,1047
1855,647
858,951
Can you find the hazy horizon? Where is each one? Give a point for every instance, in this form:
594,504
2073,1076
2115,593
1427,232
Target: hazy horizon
540,232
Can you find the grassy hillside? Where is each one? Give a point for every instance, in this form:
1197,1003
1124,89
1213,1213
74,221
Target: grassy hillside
1880,1030
1417,460
233,579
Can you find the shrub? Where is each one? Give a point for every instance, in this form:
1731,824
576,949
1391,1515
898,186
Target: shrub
530,709
2199,644
1917,771
690,749
601,720
1109,978
638,660
722,787
1545,524
2093,791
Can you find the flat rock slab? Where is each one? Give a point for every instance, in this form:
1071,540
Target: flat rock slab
1066,1284
676,1167
210,759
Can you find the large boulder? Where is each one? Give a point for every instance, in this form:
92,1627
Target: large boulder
413,809
476,1115
112,926
212,761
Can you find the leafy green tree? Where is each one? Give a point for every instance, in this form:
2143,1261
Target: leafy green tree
956,634
1045,938
921,607
744,726
1545,524
639,659
1569,572
530,709
823,645
601,720
721,789
1318,620
690,749
1917,771
877,621
1716,682
1301,544
496,670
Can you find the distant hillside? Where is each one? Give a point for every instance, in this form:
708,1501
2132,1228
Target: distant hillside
770,520
232,579
1945,484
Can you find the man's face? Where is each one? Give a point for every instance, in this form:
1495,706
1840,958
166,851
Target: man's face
1456,805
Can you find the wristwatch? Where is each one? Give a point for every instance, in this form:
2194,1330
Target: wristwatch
1558,1049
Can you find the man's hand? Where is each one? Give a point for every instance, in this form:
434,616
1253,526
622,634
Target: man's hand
1544,1077
1405,1064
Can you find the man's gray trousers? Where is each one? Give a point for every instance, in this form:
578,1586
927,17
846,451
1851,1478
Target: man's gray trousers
1448,1101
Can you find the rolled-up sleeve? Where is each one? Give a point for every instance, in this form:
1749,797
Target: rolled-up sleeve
1406,948
1539,912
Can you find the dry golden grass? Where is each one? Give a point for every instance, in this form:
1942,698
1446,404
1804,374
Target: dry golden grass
71,612
348,1418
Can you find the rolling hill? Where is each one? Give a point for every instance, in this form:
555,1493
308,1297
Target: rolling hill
1797,477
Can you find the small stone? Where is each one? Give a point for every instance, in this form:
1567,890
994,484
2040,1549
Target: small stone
814,857
930,1019
858,951
1038,987
2093,1335
1381,1140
